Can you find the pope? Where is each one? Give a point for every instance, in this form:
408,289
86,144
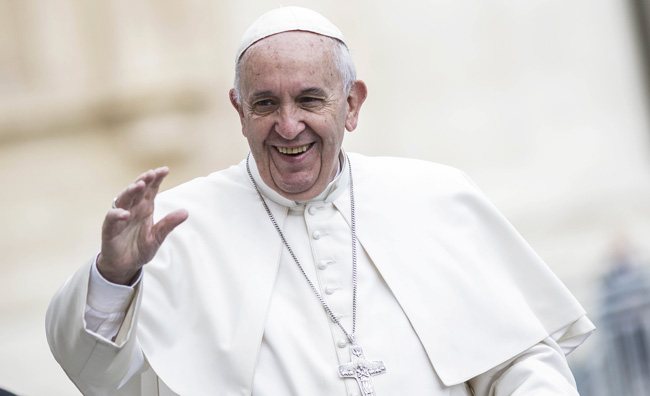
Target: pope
305,269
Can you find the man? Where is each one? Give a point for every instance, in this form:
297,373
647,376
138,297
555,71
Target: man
305,271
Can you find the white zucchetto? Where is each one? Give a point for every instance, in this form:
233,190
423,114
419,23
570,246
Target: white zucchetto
286,19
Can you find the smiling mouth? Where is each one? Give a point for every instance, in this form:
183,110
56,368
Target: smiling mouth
294,150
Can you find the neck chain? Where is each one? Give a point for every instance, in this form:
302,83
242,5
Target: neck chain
359,368
333,317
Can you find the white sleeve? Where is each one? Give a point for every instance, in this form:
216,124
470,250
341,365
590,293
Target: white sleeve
540,370
106,304
96,364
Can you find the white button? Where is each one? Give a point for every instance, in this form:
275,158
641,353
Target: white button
330,290
316,235
312,210
342,343
324,263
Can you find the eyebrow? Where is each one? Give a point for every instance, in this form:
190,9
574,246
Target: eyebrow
307,91
259,94
313,91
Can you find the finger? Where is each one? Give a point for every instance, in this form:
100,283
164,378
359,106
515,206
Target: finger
138,193
114,223
168,223
145,180
145,186
161,172
153,175
160,175
129,195
154,185
146,177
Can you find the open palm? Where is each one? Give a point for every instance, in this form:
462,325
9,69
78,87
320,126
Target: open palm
130,239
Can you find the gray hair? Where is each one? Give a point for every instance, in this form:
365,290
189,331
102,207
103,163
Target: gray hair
342,60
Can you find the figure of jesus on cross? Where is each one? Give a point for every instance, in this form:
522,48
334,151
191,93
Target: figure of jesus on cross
361,370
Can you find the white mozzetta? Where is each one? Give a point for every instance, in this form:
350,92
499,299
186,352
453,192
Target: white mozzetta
471,294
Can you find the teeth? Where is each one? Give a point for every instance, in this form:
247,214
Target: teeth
295,150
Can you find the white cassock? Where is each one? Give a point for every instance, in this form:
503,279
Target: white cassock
448,295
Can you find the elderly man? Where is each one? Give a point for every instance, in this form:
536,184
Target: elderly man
307,271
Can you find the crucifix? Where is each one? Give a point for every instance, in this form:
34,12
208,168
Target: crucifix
362,370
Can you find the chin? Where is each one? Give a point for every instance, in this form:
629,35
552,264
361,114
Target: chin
296,190
300,192
297,185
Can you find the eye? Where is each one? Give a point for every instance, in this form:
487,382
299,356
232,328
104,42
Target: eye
263,106
263,103
310,101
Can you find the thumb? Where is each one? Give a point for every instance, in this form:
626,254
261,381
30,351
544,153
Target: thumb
168,223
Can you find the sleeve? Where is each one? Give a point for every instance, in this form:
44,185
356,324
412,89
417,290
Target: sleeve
540,370
95,364
107,304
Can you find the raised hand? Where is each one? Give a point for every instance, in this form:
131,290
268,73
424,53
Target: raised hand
130,239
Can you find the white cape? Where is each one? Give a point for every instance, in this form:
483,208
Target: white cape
474,291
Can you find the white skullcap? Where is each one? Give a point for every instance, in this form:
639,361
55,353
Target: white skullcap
286,19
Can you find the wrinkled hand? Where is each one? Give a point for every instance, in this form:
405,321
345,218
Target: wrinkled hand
130,239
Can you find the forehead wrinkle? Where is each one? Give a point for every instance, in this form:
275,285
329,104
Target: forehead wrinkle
279,44
267,59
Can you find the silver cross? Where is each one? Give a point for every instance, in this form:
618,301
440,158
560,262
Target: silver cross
362,370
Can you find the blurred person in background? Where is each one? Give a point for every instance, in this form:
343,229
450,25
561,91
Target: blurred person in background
308,270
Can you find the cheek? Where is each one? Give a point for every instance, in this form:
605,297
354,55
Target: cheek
253,130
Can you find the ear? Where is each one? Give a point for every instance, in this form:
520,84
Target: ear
355,99
238,107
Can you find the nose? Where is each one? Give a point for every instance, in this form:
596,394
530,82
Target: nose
290,122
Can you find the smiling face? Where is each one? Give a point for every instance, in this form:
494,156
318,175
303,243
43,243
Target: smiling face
294,111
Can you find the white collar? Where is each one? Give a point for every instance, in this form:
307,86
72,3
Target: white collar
333,190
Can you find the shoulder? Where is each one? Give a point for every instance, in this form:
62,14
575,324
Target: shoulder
216,190
231,177
408,175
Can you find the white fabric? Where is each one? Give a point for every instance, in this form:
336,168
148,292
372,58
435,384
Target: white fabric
541,370
542,366
206,295
293,361
106,306
285,19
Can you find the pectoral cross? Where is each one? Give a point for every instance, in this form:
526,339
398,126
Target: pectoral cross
362,370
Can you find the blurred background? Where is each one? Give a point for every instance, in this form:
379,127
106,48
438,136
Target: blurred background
543,103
